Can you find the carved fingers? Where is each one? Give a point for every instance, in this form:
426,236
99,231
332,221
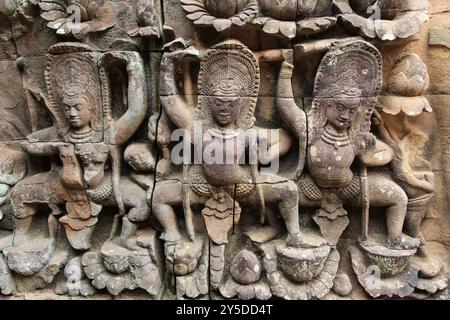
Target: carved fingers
286,55
369,142
183,55
131,59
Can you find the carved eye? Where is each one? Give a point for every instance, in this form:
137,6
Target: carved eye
341,108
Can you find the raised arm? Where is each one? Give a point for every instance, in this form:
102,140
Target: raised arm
172,102
291,114
126,126
277,143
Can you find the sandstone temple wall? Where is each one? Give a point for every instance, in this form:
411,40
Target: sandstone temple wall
350,98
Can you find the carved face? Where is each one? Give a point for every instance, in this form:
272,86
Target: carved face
341,113
78,112
225,110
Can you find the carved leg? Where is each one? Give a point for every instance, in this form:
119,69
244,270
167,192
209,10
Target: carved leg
23,217
22,226
286,196
429,266
166,195
134,197
128,230
386,193
414,217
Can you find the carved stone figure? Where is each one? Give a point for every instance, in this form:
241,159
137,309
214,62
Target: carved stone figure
408,81
224,149
346,86
85,134
228,87
13,168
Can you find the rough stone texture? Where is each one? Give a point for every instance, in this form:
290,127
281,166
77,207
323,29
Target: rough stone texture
356,108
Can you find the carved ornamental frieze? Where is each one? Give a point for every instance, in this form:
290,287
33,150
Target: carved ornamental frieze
233,149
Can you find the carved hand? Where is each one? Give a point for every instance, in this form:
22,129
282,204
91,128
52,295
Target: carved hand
369,142
286,55
187,54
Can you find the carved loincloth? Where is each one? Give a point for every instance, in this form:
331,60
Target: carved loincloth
201,187
333,199
83,213
222,210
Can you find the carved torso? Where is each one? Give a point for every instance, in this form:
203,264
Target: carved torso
329,161
225,169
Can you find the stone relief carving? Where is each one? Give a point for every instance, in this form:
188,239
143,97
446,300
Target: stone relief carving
292,18
220,14
385,20
290,166
78,18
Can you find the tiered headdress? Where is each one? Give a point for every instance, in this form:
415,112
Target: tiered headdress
229,69
73,71
349,70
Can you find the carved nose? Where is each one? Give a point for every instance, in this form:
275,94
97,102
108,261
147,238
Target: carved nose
73,112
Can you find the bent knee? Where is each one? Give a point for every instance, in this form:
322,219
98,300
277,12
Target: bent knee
393,195
139,214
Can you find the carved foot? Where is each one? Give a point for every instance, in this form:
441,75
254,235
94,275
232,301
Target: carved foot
170,237
294,240
429,267
403,242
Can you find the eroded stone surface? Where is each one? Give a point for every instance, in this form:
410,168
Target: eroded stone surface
336,116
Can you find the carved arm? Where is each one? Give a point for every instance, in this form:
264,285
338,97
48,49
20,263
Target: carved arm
292,115
174,106
278,143
127,125
42,149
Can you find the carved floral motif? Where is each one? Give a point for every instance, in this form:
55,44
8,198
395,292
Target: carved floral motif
94,200
220,14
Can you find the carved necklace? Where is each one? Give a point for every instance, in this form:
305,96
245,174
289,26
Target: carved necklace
334,138
223,134
75,137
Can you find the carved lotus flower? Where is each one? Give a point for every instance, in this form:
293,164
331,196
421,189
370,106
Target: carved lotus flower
221,14
225,8
384,19
390,262
288,10
93,15
408,82
246,282
88,8
117,267
409,77
302,266
245,268
291,18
